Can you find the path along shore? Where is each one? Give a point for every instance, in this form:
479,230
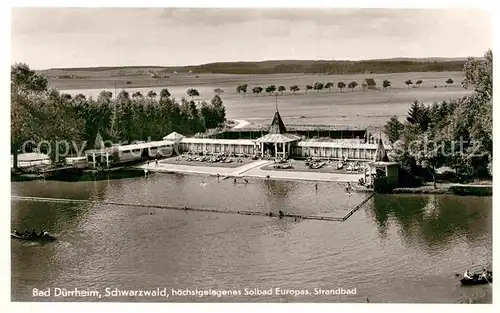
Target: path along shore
253,169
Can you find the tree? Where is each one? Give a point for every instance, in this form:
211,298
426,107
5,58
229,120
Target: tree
428,153
329,86
191,92
479,74
308,87
218,91
242,89
42,116
318,87
294,88
219,110
281,89
25,80
352,85
270,89
419,115
25,83
257,90
449,81
137,94
386,83
457,133
80,98
164,94
341,86
418,82
393,129
151,94
66,97
408,83
123,96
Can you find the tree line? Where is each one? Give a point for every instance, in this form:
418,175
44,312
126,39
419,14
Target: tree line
327,67
317,86
457,134
409,82
41,113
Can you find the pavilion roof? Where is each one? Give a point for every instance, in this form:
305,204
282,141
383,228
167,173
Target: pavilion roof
174,136
278,138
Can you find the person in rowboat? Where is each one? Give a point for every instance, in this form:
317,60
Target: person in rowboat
466,275
484,274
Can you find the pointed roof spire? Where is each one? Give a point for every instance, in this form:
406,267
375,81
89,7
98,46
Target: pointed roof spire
380,154
99,143
277,125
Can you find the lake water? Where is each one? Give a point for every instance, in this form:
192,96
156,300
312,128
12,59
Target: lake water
396,248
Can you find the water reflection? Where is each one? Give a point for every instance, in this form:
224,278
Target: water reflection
434,220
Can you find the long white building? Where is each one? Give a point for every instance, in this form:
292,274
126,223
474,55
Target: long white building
279,143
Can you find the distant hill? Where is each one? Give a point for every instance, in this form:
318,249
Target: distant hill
430,59
394,65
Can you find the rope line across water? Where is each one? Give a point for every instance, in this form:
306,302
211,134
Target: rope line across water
165,207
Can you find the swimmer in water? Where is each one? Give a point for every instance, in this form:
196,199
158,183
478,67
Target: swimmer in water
246,181
348,188
234,181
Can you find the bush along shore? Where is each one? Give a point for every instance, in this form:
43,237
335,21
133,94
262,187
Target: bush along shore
458,189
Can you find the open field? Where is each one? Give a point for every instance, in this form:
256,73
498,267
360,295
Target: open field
370,108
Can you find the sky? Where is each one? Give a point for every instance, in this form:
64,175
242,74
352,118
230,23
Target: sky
85,37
